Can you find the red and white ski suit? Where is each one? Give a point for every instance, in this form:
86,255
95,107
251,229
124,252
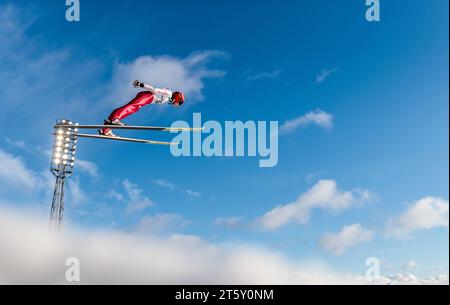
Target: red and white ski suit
152,96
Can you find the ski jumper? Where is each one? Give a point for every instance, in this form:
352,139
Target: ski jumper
153,96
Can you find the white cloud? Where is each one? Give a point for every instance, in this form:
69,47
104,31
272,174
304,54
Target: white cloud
28,147
228,222
323,195
410,265
16,143
185,74
115,195
164,184
348,237
137,201
11,29
13,171
424,214
89,167
77,196
408,279
162,222
323,75
262,75
193,193
404,278
442,279
316,117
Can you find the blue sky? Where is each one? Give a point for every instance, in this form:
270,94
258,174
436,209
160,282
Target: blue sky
387,92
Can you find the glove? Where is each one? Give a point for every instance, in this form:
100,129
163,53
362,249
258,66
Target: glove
138,84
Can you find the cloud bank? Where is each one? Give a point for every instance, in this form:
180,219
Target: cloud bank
30,255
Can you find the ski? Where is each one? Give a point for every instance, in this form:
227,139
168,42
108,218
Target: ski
117,138
127,127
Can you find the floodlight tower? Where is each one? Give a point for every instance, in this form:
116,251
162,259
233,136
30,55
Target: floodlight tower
63,161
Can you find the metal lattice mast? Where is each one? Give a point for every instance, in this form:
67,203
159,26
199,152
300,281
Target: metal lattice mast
57,211
63,161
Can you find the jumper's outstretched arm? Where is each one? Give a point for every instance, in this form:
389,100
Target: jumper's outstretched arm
138,84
